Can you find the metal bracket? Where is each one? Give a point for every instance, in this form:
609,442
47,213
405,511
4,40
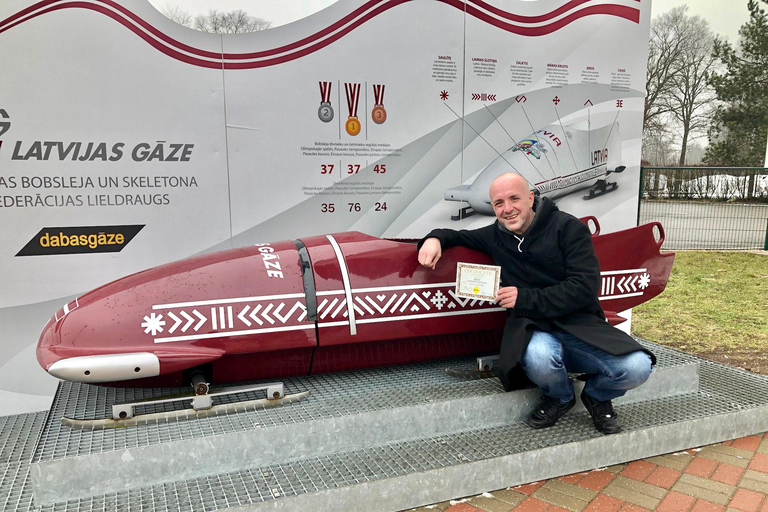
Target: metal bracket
486,363
274,391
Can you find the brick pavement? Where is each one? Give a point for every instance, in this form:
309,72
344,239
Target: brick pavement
726,477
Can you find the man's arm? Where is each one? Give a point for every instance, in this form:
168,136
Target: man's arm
580,286
430,247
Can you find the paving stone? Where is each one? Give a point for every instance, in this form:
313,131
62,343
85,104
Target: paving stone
709,490
437,507
756,475
747,443
629,507
570,490
528,489
532,505
727,454
754,485
746,500
508,496
618,468
678,461
461,507
638,470
763,447
490,504
702,467
604,503
596,480
561,500
759,462
727,474
675,502
638,493
663,477
706,506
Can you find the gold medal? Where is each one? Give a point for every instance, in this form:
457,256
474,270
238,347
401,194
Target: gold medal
352,125
378,114
353,96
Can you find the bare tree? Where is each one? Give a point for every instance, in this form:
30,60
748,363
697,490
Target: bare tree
178,15
678,93
218,22
232,22
691,96
667,40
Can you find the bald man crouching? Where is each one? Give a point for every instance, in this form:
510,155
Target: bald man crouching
550,279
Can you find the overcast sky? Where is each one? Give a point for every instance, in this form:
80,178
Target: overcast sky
724,16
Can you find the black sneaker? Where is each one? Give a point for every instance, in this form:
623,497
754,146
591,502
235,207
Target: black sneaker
604,417
548,412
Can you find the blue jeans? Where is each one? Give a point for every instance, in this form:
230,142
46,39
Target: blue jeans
551,355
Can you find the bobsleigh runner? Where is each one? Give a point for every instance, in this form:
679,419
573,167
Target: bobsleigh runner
555,161
316,305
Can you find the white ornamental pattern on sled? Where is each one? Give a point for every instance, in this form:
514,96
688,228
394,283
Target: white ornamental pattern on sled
249,315
618,284
400,302
226,317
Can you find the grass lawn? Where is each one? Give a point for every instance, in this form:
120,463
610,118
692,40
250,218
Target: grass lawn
715,305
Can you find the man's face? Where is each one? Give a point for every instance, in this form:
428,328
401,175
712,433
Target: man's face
512,202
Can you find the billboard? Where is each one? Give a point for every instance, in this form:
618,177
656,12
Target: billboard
127,141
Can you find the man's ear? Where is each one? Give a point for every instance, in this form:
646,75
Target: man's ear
530,198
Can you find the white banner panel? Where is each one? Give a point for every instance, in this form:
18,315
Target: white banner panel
127,141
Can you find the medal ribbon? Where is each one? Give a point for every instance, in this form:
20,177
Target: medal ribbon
353,97
378,94
325,92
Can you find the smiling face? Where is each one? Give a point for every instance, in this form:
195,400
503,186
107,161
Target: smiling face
512,202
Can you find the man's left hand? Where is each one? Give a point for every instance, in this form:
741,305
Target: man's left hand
507,297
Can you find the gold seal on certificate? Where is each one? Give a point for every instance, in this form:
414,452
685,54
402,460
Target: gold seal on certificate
475,281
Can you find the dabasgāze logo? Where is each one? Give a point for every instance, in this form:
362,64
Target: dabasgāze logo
4,124
80,240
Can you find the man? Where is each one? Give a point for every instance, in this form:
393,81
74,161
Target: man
550,279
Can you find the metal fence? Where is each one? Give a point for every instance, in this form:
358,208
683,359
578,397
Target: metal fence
707,207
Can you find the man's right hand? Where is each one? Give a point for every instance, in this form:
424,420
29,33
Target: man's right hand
430,252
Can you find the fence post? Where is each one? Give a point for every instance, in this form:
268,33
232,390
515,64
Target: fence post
765,245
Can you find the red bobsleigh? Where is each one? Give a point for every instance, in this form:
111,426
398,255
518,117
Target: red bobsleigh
315,305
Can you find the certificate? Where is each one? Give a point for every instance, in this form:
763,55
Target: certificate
475,281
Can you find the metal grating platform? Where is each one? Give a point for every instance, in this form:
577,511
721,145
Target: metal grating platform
18,436
331,395
411,472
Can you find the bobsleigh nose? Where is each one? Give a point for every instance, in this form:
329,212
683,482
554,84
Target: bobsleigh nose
58,356
106,367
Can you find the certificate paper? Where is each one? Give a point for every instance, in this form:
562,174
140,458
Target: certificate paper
474,281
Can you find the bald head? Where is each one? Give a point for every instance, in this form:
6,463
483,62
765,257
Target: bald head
512,202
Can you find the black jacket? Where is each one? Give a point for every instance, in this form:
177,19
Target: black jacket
557,275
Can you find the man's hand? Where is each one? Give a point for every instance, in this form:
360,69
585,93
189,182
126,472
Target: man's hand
507,297
430,252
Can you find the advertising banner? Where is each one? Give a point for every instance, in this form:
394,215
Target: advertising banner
128,141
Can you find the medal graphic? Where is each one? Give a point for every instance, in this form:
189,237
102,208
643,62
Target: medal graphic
325,112
353,96
378,114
